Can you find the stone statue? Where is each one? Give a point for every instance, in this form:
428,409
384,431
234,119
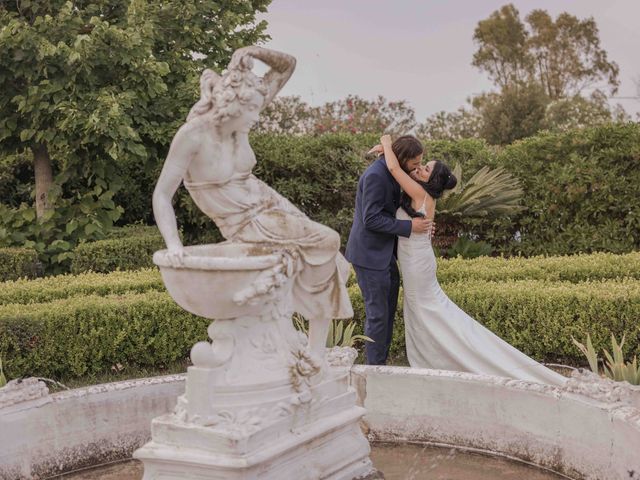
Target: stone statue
211,155
260,401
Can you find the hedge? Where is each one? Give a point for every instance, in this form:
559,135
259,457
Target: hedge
581,190
573,268
127,253
580,187
540,317
49,289
18,263
87,335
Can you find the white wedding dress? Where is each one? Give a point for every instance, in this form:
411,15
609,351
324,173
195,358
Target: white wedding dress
439,335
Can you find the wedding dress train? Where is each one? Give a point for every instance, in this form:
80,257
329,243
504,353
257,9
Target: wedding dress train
440,335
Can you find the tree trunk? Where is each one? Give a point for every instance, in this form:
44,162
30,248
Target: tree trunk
44,177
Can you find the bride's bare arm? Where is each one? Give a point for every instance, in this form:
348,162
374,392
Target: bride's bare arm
175,167
408,184
282,67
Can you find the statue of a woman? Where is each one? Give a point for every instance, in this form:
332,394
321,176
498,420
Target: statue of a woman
211,155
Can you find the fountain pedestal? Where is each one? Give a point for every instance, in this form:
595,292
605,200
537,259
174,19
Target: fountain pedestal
257,404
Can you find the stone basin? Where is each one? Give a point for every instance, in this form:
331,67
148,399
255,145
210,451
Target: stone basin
235,274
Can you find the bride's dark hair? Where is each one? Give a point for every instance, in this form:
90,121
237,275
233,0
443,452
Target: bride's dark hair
441,179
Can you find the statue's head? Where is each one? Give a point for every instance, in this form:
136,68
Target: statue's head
234,100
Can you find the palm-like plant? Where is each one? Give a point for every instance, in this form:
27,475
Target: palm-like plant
615,367
3,379
490,192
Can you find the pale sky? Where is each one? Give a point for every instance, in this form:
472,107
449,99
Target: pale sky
421,50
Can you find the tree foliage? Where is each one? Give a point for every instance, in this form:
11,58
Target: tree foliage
563,56
89,84
549,74
352,114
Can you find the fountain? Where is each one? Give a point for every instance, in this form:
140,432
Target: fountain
256,404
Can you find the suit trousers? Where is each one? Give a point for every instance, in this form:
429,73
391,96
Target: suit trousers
380,293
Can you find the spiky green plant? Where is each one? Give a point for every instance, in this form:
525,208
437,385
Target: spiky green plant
588,352
488,192
338,336
342,336
3,379
615,367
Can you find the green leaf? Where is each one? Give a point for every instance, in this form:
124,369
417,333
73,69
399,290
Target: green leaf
90,228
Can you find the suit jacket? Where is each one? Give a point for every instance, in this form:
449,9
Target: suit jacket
375,228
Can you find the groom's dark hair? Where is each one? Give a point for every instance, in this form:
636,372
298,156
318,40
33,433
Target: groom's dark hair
407,147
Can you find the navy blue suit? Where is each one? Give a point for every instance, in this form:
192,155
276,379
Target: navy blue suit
371,250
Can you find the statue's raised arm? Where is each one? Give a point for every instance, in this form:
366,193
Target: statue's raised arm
282,67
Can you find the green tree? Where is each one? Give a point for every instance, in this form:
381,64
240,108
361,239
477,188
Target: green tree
580,112
86,84
354,114
567,56
542,68
515,112
502,48
563,56
286,115
463,123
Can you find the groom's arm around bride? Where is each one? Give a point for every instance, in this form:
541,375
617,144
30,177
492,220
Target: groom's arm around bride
372,242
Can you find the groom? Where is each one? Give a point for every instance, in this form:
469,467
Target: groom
372,244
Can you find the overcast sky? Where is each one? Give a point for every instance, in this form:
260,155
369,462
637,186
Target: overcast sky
421,50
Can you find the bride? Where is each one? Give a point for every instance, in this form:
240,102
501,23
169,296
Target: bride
439,335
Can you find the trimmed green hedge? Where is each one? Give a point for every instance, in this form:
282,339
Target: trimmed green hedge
127,253
540,317
59,287
18,263
88,335
573,268
76,325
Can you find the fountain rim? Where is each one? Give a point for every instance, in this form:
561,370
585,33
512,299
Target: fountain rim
195,260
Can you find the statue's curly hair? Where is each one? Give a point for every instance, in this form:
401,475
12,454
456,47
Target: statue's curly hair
225,95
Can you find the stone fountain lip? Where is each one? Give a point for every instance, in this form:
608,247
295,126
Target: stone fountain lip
225,256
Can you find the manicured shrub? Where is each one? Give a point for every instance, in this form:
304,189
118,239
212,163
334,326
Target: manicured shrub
127,253
18,263
540,317
87,335
59,287
573,268
581,190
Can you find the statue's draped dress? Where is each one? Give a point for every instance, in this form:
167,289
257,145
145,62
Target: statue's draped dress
246,209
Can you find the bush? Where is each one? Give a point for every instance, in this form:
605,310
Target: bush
59,287
538,317
127,253
574,268
535,304
88,335
581,190
18,263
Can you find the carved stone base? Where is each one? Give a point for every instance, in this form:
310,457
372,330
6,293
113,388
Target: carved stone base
319,439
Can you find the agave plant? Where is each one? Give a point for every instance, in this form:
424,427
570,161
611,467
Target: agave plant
3,379
615,366
341,336
338,336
